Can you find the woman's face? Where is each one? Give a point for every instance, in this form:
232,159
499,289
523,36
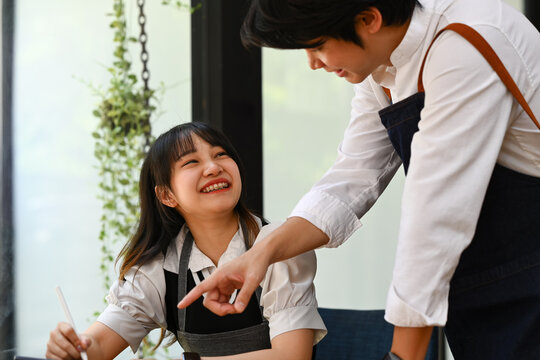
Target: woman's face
205,182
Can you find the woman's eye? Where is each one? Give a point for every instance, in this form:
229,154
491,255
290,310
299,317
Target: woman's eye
222,153
188,162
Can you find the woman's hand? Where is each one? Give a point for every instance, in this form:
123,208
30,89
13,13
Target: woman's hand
99,341
65,344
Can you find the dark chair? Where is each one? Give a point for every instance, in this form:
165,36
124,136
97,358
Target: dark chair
359,335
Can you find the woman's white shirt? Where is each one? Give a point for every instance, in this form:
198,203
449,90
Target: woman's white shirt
469,123
137,304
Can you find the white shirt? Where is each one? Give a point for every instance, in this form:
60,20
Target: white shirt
469,123
137,305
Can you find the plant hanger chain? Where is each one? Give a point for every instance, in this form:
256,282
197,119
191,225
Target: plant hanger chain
145,75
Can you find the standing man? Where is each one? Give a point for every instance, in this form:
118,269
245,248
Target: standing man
468,254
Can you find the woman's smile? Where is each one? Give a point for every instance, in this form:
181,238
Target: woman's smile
217,185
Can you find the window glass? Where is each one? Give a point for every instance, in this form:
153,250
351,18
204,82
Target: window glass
305,114
59,46
518,4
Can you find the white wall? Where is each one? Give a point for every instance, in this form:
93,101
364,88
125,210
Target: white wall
59,42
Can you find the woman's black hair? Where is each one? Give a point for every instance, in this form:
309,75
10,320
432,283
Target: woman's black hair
295,24
159,224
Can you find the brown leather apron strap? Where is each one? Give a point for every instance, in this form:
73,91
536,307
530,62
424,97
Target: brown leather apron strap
489,54
387,92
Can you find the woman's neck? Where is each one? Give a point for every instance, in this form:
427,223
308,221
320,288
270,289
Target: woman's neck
213,235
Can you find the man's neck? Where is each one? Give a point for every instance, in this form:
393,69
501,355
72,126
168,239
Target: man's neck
395,37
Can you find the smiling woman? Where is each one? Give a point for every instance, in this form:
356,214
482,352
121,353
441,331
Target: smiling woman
192,221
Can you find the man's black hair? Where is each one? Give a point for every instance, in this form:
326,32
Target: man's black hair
295,24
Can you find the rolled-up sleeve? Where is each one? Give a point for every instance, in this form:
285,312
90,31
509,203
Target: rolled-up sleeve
136,304
288,294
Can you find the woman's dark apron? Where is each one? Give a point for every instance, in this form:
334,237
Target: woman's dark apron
494,300
199,330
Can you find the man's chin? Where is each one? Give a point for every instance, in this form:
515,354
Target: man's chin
354,79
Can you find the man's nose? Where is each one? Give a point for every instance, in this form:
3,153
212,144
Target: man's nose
313,60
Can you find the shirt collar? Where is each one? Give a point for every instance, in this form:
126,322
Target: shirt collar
414,37
198,260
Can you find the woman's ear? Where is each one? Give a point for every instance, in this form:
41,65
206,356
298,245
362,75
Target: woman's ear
165,197
369,21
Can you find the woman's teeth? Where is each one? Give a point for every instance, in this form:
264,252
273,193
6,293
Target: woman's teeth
215,187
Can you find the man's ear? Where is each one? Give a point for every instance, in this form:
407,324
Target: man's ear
369,21
165,197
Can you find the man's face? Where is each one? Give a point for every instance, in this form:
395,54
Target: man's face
351,61
346,59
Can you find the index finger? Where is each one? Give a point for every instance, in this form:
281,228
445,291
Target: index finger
68,332
197,292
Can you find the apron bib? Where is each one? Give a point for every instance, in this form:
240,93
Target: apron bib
494,299
199,330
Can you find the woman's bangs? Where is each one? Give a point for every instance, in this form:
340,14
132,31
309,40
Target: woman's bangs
184,145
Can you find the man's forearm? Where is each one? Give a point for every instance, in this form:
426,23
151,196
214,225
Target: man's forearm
411,343
294,237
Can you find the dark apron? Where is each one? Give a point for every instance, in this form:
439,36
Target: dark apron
494,299
199,330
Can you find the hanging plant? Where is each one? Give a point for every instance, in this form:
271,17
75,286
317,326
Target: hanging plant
182,5
122,138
